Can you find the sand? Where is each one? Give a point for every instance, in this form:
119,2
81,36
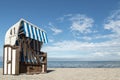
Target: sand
69,74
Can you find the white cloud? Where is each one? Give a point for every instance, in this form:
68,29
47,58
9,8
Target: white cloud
113,22
104,54
86,38
54,29
109,46
81,23
61,19
76,49
68,46
114,26
68,15
51,40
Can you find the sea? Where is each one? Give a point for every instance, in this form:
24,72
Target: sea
81,64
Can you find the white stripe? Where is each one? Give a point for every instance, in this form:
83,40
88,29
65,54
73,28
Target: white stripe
31,34
38,34
26,30
13,61
34,33
42,36
5,61
45,37
9,59
43,68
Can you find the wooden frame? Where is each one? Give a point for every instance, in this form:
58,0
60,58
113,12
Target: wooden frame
11,65
33,54
25,67
39,66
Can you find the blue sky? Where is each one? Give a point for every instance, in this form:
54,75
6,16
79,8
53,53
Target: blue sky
77,29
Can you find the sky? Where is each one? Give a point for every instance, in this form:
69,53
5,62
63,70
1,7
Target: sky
84,30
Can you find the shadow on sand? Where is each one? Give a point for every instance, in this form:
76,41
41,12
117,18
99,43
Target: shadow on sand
48,71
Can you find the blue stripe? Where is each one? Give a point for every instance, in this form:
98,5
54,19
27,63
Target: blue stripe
28,30
32,32
40,35
46,38
43,36
22,23
36,33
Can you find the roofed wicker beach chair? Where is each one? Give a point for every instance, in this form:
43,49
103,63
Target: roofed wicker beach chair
22,49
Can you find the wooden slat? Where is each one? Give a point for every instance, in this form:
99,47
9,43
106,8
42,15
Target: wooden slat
24,47
29,50
17,60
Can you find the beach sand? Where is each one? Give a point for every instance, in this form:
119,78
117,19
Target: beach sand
69,74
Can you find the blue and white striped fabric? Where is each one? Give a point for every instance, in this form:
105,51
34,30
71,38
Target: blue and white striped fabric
34,32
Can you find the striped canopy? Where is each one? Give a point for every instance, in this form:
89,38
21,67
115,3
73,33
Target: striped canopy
33,32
